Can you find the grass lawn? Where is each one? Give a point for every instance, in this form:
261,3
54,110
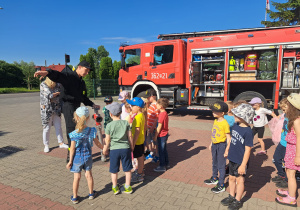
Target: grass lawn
17,90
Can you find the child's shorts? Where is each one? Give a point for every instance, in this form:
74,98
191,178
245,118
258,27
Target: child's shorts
259,130
118,155
80,163
138,151
233,169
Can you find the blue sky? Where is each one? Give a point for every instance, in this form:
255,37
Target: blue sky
39,30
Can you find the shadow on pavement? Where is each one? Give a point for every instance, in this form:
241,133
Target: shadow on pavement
9,150
183,111
3,133
257,175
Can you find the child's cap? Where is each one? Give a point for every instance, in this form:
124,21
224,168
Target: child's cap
219,107
294,99
244,111
80,111
136,101
123,95
255,100
114,108
108,99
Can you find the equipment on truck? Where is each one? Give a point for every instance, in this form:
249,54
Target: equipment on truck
251,61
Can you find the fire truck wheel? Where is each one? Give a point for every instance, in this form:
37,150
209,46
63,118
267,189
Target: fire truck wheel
248,95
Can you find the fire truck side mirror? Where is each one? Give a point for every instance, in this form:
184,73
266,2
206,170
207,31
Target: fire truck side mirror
123,65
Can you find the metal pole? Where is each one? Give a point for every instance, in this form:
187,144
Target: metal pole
94,88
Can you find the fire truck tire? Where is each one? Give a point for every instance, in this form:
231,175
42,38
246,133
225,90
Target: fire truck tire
248,95
209,101
141,94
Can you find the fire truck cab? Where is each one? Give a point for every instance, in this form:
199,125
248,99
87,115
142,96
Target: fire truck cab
215,65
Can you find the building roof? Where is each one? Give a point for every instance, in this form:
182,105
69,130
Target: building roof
53,67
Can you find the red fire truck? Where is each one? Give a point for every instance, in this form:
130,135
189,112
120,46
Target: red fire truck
199,68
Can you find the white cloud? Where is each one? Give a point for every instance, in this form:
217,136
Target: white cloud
124,39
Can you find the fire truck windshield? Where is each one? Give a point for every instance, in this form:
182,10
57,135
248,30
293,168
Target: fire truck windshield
132,57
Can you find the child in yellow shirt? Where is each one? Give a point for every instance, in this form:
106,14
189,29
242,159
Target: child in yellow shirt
220,139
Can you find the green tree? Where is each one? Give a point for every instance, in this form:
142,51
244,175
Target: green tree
89,79
10,75
97,55
287,14
116,67
106,68
28,71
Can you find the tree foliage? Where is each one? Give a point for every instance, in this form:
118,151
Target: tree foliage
10,75
88,79
287,14
28,72
116,68
106,68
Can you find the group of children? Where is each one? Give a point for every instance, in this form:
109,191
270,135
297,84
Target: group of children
232,138
131,128
126,128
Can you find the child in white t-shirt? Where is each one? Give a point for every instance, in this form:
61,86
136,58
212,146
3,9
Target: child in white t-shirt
259,122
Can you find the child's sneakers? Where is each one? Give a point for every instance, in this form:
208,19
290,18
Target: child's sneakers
92,195
155,159
74,200
149,157
211,181
227,201
235,205
160,169
115,190
137,177
126,190
218,188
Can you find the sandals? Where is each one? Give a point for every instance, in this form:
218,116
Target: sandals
262,152
74,200
282,193
287,201
92,195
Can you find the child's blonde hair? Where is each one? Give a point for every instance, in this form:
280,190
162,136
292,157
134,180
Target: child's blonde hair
283,103
230,105
49,83
80,122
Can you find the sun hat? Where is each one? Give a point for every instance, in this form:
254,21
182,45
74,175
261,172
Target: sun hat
219,107
86,65
294,99
255,100
244,111
123,95
114,108
136,101
80,111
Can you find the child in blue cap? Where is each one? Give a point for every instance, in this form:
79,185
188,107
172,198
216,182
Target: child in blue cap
81,152
138,135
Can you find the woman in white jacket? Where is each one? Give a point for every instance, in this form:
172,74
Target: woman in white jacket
51,112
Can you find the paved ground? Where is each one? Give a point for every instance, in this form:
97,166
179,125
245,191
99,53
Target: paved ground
31,179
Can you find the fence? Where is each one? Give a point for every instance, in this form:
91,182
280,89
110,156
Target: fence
104,87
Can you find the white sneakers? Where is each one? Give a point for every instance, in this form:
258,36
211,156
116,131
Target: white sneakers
46,149
64,146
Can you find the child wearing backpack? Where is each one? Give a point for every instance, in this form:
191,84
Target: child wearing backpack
81,152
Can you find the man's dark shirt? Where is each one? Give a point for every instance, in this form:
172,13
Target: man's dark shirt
74,89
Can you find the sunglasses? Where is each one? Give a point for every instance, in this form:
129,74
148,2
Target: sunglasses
256,118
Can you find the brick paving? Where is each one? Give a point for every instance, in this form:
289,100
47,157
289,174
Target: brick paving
31,179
